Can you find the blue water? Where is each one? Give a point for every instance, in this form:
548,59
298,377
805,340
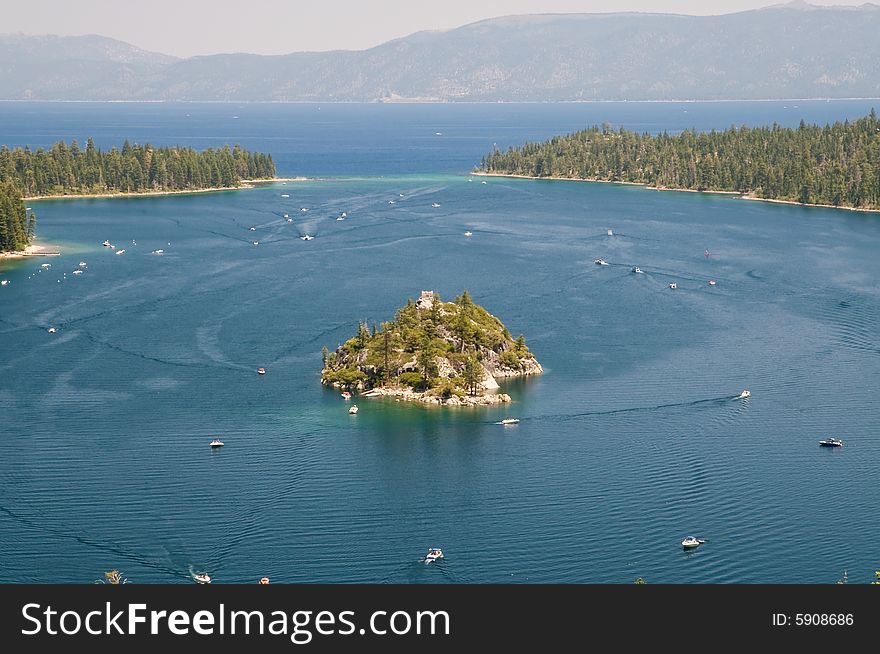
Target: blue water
632,439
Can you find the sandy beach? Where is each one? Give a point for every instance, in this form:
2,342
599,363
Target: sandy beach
32,251
245,184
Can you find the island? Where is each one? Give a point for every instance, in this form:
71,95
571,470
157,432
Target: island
69,170
836,165
445,353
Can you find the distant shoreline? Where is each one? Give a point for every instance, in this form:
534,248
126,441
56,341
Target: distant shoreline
245,184
742,196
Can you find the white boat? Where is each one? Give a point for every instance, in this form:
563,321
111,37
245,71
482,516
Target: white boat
285,195
122,251
201,577
346,395
256,242
636,269
610,232
217,443
4,282
158,253
286,215
509,421
46,265
711,282
353,409
106,244
690,542
831,442
253,229
400,195
746,393
51,330
303,210
433,554
340,217
600,262
483,182
673,285
261,371
390,201
468,233
83,264
77,272
307,237
435,204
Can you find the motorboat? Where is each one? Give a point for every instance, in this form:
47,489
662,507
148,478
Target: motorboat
433,554
286,216
264,581
201,577
390,201
45,265
346,395
307,237
636,269
290,220
745,394
285,195
4,282
690,542
353,409
483,182
831,442
106,244
217,443
77,272
435,205
600,262
342,216
158,253
261,371
256,242
673,285
509,421
253,229
304,209
83,264
468,233
51,330
122,251
711,282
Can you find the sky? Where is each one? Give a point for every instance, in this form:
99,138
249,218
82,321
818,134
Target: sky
198,27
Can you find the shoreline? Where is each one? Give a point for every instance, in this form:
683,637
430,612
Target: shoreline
409,395
31,251
742,196
245,184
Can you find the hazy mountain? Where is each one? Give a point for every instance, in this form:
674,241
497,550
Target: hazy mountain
785,51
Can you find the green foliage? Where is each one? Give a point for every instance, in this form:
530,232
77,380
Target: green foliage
68,170
16,229
411,379
836,164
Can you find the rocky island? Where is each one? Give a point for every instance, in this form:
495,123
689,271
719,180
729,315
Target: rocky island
448,353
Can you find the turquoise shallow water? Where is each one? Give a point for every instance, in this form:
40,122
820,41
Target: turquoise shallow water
629,442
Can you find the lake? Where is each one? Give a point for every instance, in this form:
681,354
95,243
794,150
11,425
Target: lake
631,440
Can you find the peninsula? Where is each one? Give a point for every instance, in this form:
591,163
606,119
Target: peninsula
67,170
447,353
836,165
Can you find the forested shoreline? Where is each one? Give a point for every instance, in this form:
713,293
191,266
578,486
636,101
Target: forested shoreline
68,169
16,224
837,165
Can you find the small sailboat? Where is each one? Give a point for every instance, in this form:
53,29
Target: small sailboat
673,285
261,371
353,409
217,443
831,442
468,233
509,421
433,554
201,577
600,262
690,542
636,269
745,394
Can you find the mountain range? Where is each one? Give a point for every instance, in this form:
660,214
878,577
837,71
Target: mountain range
786,51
